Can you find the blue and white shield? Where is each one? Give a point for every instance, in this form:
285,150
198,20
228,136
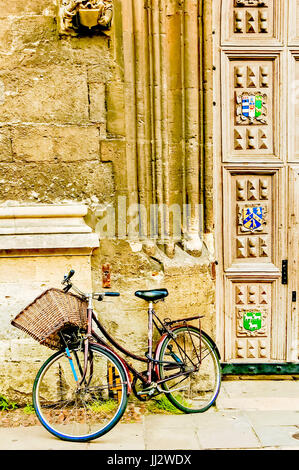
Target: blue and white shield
252,218
245,105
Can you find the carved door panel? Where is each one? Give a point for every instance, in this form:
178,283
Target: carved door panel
251,105
251,21
258,156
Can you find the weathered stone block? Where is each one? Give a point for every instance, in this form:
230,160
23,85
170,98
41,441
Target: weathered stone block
115,108
32,145
115,151
37,44
5,146
5,35
52,182
19,350
97,73
35,7
33,32
97,109
93,51
66,144
52,94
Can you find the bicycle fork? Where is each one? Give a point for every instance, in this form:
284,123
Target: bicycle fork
68,355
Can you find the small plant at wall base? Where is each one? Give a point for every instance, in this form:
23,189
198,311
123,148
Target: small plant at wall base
162,405
6,405
29,409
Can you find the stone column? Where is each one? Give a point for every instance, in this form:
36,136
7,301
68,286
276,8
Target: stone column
162,56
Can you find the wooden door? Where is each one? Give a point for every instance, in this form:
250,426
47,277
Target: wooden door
257,110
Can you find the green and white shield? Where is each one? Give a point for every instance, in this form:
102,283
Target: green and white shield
252,321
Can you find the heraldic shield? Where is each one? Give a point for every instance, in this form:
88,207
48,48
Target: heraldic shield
252,218
252,321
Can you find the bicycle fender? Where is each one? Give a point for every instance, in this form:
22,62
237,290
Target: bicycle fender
123,362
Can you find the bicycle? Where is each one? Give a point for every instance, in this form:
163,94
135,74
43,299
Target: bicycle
81,392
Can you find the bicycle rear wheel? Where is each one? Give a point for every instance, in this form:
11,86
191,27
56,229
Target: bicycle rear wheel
197,386
85,412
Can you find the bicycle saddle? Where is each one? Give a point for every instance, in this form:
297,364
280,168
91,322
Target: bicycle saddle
152,295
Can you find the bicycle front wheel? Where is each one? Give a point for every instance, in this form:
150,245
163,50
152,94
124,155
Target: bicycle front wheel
188,358
80,412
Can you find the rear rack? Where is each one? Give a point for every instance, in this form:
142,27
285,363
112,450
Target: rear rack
168,322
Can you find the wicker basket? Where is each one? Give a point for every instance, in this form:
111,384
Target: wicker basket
51,312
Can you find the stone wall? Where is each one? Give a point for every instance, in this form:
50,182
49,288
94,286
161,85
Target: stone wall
89,118
52,109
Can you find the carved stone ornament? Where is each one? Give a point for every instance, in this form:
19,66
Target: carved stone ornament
90,14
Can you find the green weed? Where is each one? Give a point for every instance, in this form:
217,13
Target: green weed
29,409
6,404
104,407
162,404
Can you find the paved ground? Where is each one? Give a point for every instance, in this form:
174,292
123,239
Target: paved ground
249,415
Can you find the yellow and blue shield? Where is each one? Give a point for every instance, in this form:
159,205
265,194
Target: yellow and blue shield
252,218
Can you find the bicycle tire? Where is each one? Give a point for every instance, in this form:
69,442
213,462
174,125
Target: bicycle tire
84,415
196,391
